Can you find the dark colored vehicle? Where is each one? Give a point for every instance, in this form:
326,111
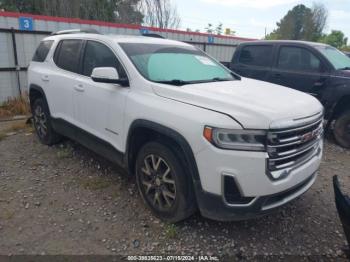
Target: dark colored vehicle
342,203
314,68
347,53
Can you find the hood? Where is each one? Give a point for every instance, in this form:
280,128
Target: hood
254,104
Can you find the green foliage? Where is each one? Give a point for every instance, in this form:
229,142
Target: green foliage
335,38
301,23
346,48
122,11
218,29
209,29
170,231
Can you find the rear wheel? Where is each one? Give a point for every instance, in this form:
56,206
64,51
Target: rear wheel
42,123
163,183
342,129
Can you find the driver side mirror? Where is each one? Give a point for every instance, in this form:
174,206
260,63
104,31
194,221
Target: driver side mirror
108,75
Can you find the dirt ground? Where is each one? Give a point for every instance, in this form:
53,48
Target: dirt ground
66,200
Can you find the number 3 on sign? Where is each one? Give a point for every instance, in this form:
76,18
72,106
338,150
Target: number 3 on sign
26,23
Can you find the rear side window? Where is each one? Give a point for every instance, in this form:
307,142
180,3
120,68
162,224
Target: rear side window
256,55
298,59
67,55
42,51
99,55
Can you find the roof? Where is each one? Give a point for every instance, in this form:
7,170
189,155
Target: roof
119,38
286,41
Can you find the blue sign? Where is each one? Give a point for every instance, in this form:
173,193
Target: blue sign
210,39
26,23
144,31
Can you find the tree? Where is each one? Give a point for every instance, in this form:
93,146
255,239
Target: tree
122,11
335,38
301,23
209,29
218,29
160,13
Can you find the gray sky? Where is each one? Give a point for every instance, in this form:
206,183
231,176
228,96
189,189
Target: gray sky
250,17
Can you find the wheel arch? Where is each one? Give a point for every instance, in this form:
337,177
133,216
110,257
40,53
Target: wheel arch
142,131
340,106
36,91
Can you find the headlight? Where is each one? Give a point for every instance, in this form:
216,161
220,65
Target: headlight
248,140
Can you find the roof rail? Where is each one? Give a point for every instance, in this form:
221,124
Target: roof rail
153,35
76,31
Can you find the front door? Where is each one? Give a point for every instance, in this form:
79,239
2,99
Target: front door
99,107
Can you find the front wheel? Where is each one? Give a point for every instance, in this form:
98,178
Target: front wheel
342,129
164,184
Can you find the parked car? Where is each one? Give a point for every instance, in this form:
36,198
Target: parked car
342,203
347,53
196,135
313,68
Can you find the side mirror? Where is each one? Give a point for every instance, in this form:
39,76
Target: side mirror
108,75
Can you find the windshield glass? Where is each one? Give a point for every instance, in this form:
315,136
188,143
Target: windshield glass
338,59
175,64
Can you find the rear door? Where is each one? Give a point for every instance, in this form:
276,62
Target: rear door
299,68
63,78
254,61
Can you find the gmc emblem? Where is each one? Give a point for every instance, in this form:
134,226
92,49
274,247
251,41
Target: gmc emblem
309,136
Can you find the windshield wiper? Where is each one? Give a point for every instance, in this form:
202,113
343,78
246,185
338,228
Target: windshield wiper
219,79
345,68
178,82
175,82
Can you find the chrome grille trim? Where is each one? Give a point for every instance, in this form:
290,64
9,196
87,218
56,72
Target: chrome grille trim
289,148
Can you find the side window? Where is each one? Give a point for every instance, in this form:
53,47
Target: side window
42,51
298,59
99,55
256,55
67,55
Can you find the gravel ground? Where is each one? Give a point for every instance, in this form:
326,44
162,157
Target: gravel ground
67,200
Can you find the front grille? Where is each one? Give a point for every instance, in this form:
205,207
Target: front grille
288,148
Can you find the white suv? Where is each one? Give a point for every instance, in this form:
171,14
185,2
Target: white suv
196,135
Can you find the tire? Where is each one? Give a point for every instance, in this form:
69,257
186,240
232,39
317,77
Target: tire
342,129
42,123
164,184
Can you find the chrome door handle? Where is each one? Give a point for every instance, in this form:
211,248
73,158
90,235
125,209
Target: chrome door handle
79,88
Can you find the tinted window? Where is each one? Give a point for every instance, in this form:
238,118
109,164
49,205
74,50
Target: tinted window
42,51
67,55
99,55
256,55
298,59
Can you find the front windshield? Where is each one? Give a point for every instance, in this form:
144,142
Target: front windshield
175,64
338,59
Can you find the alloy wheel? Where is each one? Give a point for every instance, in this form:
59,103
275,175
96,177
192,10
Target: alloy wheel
158,182
40,121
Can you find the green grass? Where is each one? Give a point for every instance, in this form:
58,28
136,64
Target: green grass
64,153
7,214
170,231
94,183
2,136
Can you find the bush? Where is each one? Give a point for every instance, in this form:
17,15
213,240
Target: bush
15,106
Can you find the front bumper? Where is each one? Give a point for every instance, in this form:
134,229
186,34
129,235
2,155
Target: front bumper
253,182
213,207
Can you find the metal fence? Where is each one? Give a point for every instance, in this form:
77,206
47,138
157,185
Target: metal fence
17,46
